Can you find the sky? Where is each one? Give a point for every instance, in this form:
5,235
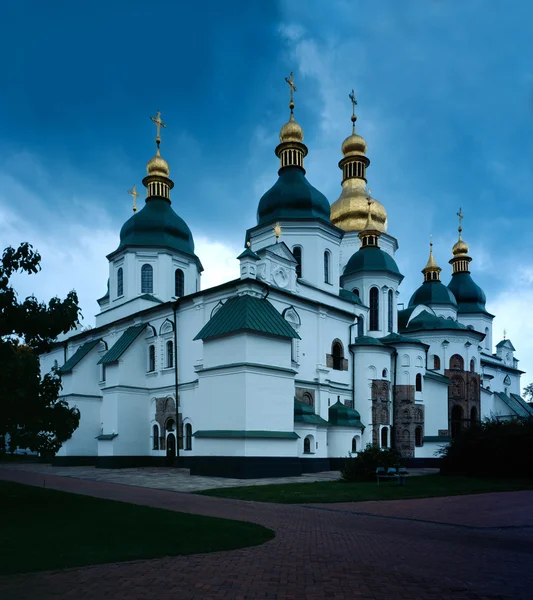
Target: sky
445,103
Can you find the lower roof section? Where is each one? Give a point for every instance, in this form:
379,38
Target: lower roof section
244,434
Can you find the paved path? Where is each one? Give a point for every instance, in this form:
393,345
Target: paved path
453,548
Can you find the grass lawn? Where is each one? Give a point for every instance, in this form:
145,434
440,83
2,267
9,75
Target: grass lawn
423,486
46,529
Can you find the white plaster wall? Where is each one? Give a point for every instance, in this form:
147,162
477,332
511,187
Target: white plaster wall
318,437
429,449
436,407
83,441
245,447
246,347
340,441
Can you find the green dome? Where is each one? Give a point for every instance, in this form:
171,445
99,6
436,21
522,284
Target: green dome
426,321
470,297
433,292
157,225
371,258
292,197
343,416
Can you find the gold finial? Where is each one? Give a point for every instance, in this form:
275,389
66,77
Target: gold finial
505,334
159,123
248,244
133,192
292,88
461,217
431,271
354,104
277,231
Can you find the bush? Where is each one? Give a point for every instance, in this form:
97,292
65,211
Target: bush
363,466
496,448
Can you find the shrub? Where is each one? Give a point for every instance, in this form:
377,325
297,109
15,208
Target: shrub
363,466
496,448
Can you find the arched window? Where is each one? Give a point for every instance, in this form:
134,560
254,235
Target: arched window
418,436
385,437
436,362
155,432
472,366
327,267
179,283
354,445
170,425
457,362
297,253
120,282
384,374
374,309
418,382
390,313
151,358
147,279
338,355
356,292
487,341
307,445
473,416
456,421
170,353
405,360
188,436
361,325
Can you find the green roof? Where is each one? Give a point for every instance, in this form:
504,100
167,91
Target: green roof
433,292
80,353
350,296
292,197
241,433
246,313
366,340
248,252
436,377
371,258
396,338
121,345
426,321
505,343
151,298
106,436
470,297
304,413
517,404
344,416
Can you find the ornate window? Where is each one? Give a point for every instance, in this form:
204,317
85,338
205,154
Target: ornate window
436,362
374,309
337,353
179,283
120,282
170,354
155,432
418,437
390,313
151,358
297,253
147,279
418,382
327,275
385,437
188,436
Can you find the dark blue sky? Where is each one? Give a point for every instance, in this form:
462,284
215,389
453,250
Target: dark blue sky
445,93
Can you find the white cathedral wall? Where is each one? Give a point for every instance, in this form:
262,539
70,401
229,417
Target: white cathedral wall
318,440
340,441
245,447
436,408
481,323
83,441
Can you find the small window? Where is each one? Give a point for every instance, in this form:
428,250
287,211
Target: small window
102,373
374,309
307,445
436,362
151,358
354,445
472,366
356,292
361,325
418,437
297,253
188,436
170,354
327,267
338,355
385,437
120,282
179,283
473,416
384,374
418,382
391,311
155,433
457,362
147,279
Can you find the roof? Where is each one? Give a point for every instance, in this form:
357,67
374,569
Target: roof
292,197
241,433
350,296
341,415
436,376
426,321
433,292
506,343
304,413
248,253
444,439
247,313
371,258
517,404
151,298
396,338
80,353
470,297
366,340
122,344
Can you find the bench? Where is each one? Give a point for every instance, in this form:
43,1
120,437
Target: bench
392,473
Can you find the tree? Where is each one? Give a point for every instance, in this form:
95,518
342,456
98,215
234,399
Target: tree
528,392
30,410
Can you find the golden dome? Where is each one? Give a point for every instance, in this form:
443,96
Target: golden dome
158,166
291,131
354,145
350,211
460,248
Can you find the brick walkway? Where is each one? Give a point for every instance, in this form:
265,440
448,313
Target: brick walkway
462,547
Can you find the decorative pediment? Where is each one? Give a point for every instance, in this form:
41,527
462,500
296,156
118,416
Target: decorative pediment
277,266
280,250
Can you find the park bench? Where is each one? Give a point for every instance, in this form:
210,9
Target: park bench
392,473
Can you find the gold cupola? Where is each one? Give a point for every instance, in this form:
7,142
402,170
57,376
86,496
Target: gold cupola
291,150
460,260
370,233
349,212
157,180
431,271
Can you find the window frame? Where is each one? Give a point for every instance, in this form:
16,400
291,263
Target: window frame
373,295
169,354
151,358
327,267
179,283
298,250
120,282
147,279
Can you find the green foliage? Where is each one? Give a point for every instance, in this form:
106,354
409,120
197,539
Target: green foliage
528,392
491,448
30,412
363,466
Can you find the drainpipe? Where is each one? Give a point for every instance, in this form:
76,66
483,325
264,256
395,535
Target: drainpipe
175,308
393,400
353,360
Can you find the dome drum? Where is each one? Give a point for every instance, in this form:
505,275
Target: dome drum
354,167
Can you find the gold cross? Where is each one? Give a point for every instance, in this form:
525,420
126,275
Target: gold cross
461,217
133,192
159,123
354,102
290,81
277,228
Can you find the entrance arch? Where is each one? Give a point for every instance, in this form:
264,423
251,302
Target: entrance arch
171,449
456,421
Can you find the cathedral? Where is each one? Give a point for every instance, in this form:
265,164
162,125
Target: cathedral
302,360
